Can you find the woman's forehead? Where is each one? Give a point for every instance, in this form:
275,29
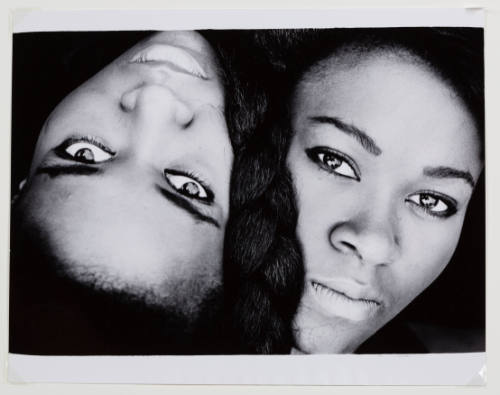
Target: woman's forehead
357,56
374,80
401,104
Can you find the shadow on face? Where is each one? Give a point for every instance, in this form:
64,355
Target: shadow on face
129,182
384,159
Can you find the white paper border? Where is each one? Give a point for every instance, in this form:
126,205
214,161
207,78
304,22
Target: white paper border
47,20
325,369
429,369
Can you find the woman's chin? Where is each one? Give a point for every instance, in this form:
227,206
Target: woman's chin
320,330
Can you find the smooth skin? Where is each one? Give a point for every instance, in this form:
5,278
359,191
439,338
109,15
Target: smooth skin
129,184
384,159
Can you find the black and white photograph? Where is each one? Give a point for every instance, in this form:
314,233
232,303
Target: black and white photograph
248,192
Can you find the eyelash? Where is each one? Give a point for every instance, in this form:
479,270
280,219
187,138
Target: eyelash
210,195
449,202
315,152
314,155
62,149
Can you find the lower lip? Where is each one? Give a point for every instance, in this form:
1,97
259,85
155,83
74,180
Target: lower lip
337,304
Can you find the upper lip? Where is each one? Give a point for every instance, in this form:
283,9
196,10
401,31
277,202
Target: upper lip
177,58
351,290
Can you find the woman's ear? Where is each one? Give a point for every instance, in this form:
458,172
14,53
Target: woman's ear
19,190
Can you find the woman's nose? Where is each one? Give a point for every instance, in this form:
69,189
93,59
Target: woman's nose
155,106
157,119
369,234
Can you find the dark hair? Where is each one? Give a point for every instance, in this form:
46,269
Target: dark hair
262,207
454,54
264,270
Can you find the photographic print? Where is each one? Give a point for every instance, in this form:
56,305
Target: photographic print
259,197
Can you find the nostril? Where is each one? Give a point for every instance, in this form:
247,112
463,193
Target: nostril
347,247
183,115
188,124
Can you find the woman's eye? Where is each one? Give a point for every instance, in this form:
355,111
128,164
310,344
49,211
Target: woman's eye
88,152
333,161
432,204
187,186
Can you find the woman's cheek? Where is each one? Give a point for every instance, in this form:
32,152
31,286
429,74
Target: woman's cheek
427,251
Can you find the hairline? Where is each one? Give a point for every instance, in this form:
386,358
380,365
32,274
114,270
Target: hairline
353,54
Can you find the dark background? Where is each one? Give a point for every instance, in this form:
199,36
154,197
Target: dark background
448,317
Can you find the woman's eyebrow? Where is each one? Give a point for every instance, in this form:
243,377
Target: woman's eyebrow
187,206
366,141
59,170
449,172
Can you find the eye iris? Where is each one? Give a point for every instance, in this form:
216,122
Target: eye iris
428,201
332,161
191,189
85,154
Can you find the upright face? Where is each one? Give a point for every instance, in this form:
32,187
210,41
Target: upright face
384,159
129,183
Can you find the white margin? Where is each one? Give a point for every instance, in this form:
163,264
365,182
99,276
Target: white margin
429,369
51,20
411,369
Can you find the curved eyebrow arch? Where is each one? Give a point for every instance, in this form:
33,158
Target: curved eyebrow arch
449,172
187,206
366,141
60,170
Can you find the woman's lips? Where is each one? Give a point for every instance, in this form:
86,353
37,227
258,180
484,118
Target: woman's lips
342,303
176,58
